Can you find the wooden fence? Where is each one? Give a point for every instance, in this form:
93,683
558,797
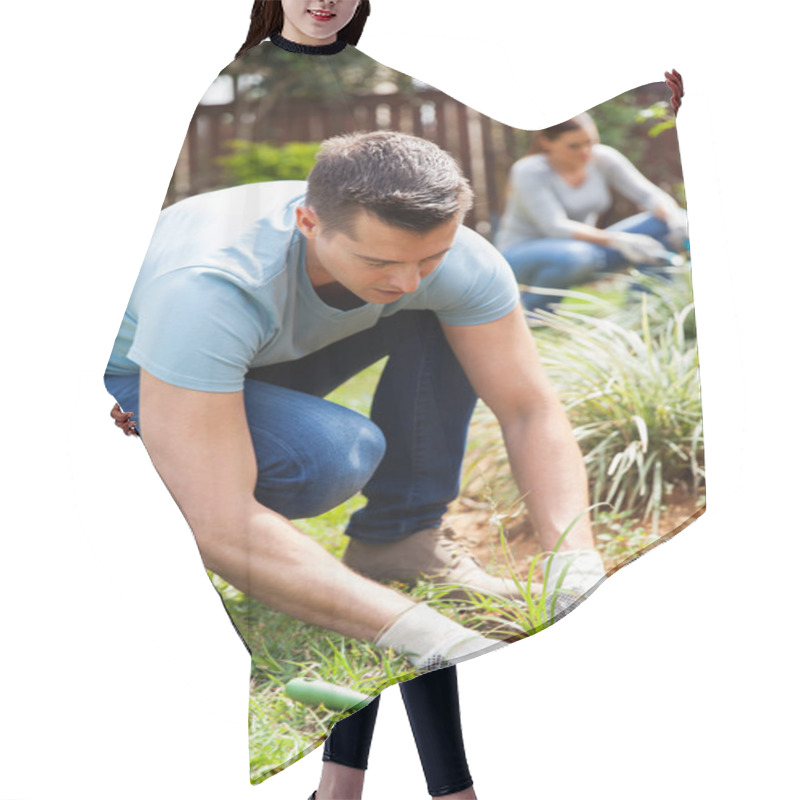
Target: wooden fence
484,148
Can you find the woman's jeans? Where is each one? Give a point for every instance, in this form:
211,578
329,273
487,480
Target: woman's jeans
431,702
313,454
562,263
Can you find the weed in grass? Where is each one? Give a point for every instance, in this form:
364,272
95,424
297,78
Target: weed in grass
619,537
499,617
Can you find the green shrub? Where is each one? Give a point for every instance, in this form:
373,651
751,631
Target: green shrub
659,115
669,301
634,400
251,162
632,393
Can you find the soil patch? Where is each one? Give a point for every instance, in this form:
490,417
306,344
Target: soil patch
476,525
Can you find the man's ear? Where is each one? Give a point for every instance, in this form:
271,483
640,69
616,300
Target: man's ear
307,222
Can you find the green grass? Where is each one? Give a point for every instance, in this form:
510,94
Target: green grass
357,393
282,730
497,617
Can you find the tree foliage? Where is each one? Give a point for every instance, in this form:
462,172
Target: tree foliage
276,72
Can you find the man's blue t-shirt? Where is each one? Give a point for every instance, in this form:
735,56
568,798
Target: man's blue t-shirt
223,288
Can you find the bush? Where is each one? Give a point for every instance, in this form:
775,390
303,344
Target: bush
632,393
252,162
669,300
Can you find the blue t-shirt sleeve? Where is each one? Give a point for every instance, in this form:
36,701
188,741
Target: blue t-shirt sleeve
198,330
474,284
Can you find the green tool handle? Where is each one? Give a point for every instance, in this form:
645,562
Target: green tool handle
337,698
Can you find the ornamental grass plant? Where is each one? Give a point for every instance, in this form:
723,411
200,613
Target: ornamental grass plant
628,377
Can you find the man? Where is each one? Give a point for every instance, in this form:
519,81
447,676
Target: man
256,301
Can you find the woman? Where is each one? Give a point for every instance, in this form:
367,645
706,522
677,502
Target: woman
549,231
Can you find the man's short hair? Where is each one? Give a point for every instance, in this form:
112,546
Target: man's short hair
404,180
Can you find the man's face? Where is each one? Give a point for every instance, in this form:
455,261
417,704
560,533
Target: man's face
380,263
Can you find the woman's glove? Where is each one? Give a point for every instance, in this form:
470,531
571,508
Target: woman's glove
638,248
678,227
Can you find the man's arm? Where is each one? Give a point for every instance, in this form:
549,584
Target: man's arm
502,363
200,444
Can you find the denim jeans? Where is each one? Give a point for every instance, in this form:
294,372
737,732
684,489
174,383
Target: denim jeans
313,455
562,263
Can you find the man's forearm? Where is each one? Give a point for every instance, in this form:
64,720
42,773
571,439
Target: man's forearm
273,562
548,468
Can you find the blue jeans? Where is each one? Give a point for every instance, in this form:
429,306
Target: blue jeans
313,455
562,263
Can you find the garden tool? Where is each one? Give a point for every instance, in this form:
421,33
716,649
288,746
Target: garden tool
336,698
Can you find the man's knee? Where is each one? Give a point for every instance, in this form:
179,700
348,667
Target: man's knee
322,466
346,459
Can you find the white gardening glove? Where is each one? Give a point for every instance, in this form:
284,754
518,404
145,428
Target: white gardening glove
638,248
430,639
582,570
569,576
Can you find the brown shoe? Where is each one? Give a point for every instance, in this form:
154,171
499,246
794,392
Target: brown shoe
433,552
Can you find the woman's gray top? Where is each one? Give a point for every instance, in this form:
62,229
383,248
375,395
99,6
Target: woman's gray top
541,204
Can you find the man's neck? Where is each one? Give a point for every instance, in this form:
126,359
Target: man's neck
328,290
336,296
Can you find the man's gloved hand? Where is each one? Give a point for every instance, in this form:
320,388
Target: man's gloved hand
569,575
430,639
637,248
578,571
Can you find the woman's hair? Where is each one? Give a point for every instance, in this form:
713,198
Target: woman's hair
404,180
581,122
266,19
